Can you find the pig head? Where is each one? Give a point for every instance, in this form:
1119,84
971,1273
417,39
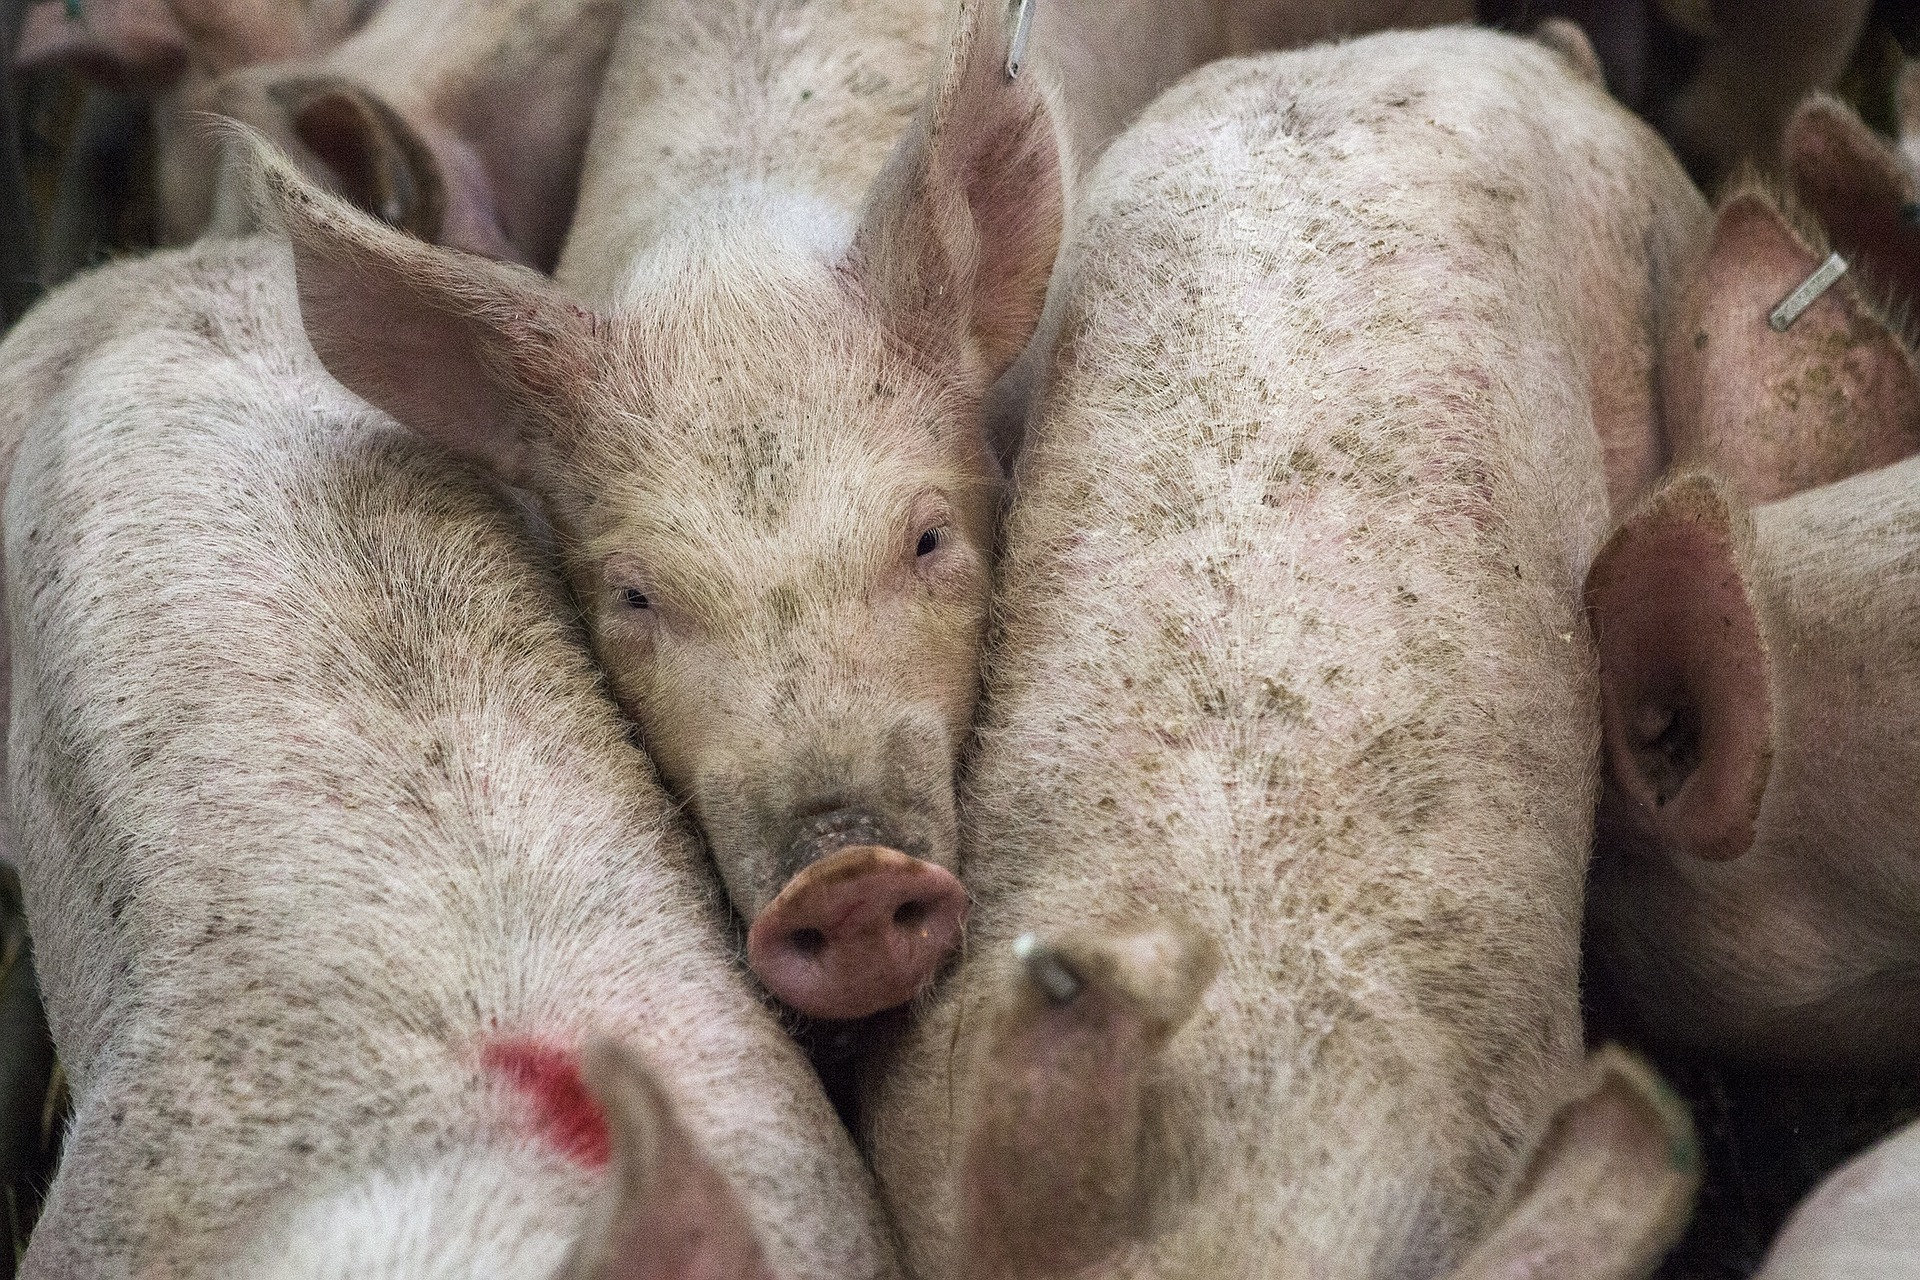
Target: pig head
775,493
1754,887
461,125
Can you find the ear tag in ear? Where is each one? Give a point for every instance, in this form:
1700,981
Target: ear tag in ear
1048,971
1022,28
1795,304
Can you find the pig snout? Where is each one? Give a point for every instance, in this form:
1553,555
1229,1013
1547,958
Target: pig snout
858,931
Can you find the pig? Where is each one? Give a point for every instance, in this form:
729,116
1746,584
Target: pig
461,122
1289,647
1755,893
371,944
1748,896
753,412
1859,1223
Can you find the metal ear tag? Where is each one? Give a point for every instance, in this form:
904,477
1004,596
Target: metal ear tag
1795,304
1022,27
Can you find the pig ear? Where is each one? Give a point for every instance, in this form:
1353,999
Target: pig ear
1051,1178
666,1214
377,158
125,43
1605,1192
1856,183
1776,412
959,239
1686,711
468,353
1569,39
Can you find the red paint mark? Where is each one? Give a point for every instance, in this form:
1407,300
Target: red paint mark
565,1113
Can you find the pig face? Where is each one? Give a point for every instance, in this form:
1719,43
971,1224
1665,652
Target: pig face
787,583
773,481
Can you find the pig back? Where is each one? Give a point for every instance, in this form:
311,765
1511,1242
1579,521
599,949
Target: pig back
324,815
1289,640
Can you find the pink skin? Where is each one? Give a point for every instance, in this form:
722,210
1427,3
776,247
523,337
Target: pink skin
857,932
1864,190
1775,413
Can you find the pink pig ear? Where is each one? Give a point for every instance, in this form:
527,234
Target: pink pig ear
1051,1179
474,355
1857,184
411,173
667,1214
127,43
1569,39
1776,412
1606,1190
377,160
1686,711
959,237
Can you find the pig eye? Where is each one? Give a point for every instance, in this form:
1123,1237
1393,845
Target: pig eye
930,541
633,598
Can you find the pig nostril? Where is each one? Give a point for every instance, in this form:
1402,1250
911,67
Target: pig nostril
911,914
809,942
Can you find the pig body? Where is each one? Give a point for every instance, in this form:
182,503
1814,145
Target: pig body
798,107
334,848
1755,892
1289,646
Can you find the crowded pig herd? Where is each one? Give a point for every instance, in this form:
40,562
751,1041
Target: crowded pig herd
1182,585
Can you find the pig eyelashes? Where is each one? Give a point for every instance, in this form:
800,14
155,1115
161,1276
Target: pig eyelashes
929,541
634,598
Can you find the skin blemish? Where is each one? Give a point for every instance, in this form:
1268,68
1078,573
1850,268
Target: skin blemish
564,1112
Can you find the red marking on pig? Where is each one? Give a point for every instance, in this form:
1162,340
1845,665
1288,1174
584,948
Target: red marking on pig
564,1112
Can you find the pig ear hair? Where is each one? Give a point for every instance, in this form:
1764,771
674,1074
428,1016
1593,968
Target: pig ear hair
1569,39
1052,1177
1605,1191
378,159
967,214
123,43
1686,709
1778,410
469,353
666,1213
1856,184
